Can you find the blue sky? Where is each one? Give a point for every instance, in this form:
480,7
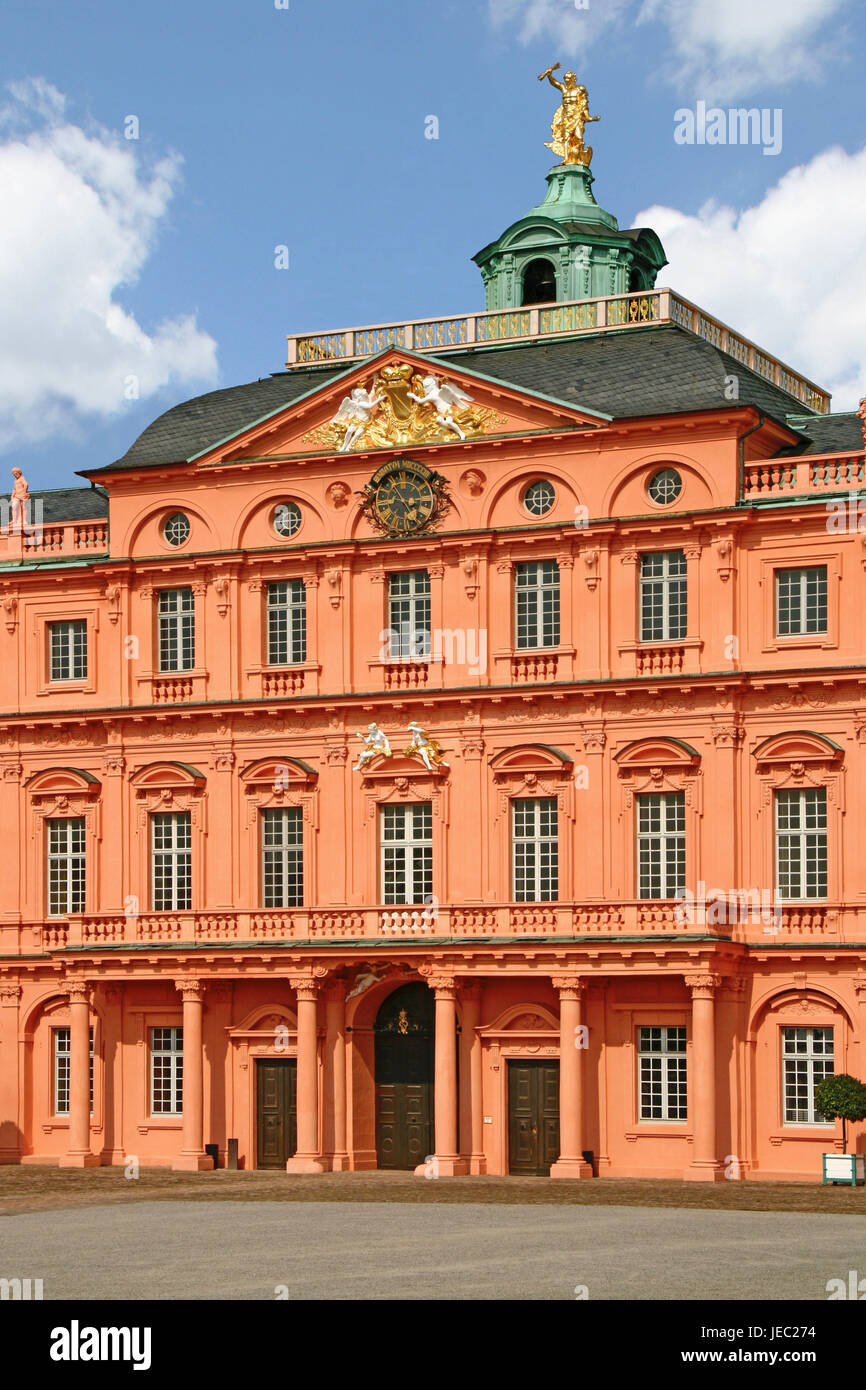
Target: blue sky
304,126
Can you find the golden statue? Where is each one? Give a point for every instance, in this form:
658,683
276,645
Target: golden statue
571,118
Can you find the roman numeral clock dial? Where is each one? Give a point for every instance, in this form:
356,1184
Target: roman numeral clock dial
404,498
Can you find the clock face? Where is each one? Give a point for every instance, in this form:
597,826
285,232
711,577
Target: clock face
404,502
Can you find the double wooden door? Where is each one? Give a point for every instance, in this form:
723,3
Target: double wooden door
533,1116
404,1078
276,1111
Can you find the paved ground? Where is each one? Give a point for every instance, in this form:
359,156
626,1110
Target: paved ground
386,1250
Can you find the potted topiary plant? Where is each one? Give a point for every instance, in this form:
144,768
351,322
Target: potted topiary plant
842,1098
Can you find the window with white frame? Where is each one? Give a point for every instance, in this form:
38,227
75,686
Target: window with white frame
663,596
535,849
661,844
66,865
171,833
662,1073
801,601
61,1071
807,1057
406,853
536,604
801,844
67,651
166,1071
176,623
283,857
409,614
287,623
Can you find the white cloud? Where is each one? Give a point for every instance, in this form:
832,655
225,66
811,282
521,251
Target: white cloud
81,214
790,272
720,49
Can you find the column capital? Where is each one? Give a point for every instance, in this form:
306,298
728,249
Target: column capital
305,986
703,986
9,995
77,990
191,990
443,986
569,986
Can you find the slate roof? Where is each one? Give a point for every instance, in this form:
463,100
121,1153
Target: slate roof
72,504
658,370
824,433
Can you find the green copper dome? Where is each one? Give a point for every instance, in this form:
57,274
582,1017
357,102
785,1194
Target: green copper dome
567,248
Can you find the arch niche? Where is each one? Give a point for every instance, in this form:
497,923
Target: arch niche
404,1039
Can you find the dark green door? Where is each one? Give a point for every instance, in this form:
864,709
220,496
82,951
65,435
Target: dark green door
404,1078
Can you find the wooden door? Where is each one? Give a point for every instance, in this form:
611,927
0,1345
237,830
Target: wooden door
404,1078
533,1116
276,1111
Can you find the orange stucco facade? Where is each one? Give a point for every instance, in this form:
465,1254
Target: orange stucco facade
667,1037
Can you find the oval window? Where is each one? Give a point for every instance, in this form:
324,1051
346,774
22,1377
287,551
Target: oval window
287,519
539,497
665,486
176,529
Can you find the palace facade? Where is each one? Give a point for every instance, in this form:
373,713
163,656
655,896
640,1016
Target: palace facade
602,909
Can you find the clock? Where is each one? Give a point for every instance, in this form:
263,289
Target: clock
404,498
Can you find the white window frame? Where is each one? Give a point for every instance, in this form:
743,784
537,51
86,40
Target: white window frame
166,1054
536,605
664,596
282,856
61,1039
409,616
662,1071
286,606
171,891
406,853
67,892
796,601
657,844
175,610
804,1067
534,849
67,651
805,845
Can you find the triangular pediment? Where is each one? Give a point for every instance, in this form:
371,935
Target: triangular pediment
399,400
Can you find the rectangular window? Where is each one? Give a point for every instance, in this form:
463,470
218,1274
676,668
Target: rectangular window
406,849
662,1073
535,850
801,844
61,1071
287,623
536,604
283,857
176,614
166,1071
807,1057
661,844
801,601
409,614
172,861
663,596
67,651
66,866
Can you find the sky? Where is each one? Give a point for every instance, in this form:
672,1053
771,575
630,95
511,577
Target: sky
184,182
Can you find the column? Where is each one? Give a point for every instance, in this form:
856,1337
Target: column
306,1156
705,1166
10,1134
448,1163
336,1150
192,1157
572,1051
78,1154
471,1097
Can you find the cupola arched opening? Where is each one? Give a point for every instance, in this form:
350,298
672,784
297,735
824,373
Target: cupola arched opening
539,282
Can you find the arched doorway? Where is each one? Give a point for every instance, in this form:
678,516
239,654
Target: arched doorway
404,1057
539,282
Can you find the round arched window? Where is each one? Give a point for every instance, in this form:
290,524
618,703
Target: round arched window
539,282
176,529
539,497
287,519
665,486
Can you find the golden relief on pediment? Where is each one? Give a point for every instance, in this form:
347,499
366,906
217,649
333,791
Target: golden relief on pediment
399,406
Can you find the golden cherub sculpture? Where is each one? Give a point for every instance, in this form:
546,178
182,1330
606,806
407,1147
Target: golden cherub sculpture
570,120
